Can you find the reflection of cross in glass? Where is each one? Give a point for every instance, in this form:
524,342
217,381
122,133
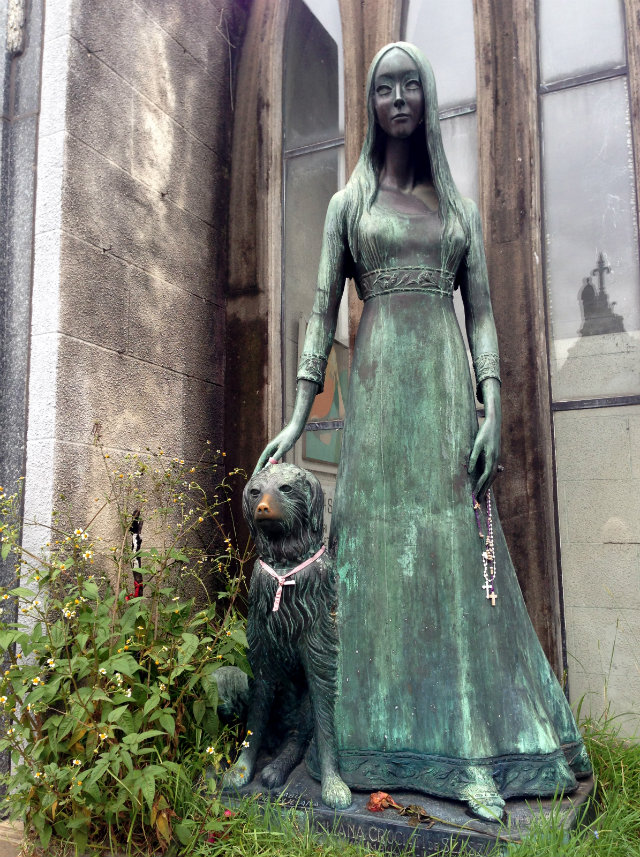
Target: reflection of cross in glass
601,270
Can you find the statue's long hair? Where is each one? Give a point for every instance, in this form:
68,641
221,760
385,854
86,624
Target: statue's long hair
429,158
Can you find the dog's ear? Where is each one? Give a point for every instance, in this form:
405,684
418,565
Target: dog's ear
316,504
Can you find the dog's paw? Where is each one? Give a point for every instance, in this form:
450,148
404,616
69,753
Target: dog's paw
274,775
335,792
238,776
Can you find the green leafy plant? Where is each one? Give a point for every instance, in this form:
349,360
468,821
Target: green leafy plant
110,700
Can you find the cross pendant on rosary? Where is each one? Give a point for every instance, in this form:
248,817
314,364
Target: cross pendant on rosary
491,595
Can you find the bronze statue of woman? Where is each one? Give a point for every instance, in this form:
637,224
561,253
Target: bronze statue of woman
442,687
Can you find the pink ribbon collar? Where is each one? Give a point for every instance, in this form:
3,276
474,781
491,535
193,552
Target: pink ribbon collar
283,578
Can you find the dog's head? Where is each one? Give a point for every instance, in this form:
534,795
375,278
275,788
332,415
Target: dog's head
283,507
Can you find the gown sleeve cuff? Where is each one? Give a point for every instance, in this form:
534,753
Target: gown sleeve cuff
486,366
312,368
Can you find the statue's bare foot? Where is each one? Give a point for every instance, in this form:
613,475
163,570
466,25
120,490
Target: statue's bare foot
335,793
274,774
239,775
483,799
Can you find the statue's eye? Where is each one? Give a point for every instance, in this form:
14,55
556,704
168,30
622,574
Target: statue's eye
286,489
413,83
383,89
255,492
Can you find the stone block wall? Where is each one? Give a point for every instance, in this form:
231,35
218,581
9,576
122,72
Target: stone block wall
128,325
598,465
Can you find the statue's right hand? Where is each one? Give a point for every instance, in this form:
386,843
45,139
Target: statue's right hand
305,394
281,444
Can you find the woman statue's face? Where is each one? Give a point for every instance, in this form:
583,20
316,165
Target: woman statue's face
398,99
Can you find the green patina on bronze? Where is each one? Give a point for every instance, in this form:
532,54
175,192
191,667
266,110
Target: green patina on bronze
438,690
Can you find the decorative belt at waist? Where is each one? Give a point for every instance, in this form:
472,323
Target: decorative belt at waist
420,279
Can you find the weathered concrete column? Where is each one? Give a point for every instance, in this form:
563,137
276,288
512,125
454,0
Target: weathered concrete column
129,263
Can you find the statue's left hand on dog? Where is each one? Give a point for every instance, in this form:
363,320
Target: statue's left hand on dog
291,629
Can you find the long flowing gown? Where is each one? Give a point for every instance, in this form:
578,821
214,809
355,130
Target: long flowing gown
436,688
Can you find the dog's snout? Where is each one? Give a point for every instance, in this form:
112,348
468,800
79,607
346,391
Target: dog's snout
267,509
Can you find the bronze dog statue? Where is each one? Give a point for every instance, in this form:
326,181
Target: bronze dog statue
291,628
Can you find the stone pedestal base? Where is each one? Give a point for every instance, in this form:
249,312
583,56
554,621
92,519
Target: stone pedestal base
389,830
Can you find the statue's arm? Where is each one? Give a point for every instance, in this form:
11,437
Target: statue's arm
320,330
483,341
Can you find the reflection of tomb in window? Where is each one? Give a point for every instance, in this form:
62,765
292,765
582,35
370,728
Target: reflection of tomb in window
598,317
590,204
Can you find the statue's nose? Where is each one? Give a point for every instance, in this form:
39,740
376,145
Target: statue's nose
263,508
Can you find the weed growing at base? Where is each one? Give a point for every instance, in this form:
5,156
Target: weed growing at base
109,701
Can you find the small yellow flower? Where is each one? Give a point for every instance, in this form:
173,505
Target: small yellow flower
102,736
5,597
102,671
37,775
37,680
210,751
76,762
3,699
51,663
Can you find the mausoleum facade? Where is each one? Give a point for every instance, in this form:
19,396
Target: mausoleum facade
165,172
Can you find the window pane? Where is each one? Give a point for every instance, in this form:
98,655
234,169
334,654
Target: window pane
312,73
311,180
460,141
579,36
444,31
593,278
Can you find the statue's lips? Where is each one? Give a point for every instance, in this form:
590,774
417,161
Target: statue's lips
400,116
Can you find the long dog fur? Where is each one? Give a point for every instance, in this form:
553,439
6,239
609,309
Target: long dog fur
293,650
